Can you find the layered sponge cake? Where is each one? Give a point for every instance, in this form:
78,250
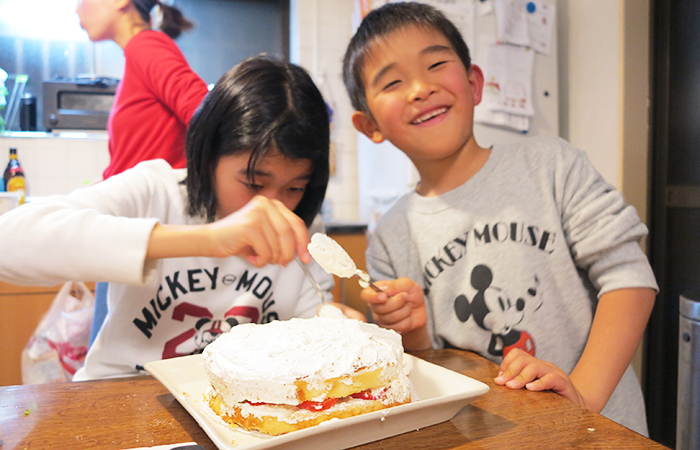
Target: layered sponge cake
289,375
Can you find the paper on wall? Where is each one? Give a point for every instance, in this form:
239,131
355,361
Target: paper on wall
526,22
508,72
462,13
540,25
362,8
511,22
514,121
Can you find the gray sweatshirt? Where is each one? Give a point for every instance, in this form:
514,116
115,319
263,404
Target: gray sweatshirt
517,257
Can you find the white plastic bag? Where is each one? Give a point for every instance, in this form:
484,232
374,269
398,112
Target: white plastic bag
59,344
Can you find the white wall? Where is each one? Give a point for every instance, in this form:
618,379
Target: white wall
604,92
593,74
321,30
604,88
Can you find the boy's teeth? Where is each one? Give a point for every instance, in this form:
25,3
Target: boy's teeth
429,115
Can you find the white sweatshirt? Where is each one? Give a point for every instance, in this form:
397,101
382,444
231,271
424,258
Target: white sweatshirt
158,308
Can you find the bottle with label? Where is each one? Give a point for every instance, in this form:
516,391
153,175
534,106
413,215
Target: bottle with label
13,179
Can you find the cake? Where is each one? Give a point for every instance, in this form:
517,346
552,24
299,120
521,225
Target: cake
288,375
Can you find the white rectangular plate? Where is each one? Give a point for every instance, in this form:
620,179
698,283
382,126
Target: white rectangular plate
441,394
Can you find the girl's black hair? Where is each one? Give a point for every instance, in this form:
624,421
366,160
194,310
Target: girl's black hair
383,21
173,23
261,105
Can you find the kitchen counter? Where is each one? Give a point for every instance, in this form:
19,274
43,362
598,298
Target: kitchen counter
139,411
58,162
345,228
57,134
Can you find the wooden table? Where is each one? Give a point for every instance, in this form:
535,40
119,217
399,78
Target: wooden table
139,412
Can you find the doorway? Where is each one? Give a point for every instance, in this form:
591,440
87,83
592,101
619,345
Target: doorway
674,240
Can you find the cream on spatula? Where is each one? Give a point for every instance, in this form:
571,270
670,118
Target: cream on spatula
335,260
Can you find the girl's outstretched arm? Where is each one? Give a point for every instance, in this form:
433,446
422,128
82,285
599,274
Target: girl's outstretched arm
264,232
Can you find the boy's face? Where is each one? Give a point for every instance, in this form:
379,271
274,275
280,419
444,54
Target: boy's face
420,94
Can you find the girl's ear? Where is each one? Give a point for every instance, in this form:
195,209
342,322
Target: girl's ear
367,126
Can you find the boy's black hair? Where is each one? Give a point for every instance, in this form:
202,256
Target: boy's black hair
383,21
261,105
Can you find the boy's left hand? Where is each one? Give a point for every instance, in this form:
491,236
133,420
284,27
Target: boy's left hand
520,369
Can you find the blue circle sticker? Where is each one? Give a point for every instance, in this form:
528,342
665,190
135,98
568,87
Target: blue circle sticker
531,7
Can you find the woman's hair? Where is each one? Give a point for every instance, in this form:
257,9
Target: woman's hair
262,105
172,22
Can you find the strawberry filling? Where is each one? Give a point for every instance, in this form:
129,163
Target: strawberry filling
318,406
327,403
367,395
308,405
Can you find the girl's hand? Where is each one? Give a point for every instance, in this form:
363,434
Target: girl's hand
264,232
403,310
520,369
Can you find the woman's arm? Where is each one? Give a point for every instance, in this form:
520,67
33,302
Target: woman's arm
169,75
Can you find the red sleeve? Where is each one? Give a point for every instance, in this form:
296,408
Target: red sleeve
167,74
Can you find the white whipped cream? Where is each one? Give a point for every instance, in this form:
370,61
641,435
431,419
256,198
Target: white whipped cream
261,363
331,311
331,256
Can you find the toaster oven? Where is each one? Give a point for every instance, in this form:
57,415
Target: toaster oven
78,103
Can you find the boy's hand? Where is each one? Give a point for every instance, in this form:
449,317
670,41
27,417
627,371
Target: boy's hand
520,369
402,311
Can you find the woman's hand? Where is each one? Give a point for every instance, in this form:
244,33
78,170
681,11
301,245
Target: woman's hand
403,310
520,369
264,232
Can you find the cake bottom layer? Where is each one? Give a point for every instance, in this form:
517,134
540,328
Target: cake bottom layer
280,419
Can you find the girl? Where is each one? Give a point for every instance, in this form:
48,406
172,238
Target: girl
190,253
158,91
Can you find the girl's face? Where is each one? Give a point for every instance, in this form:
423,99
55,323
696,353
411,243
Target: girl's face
276,177
97,18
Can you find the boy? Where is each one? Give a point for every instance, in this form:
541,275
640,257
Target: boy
520,252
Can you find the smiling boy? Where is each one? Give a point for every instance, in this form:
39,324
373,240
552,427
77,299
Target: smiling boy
520,252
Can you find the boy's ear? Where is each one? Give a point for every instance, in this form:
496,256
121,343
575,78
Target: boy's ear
367,126
476,81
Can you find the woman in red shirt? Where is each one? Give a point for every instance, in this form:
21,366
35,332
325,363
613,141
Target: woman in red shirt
156,96
158,92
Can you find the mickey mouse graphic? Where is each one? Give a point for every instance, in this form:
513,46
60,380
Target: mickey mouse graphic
494,311
206,329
